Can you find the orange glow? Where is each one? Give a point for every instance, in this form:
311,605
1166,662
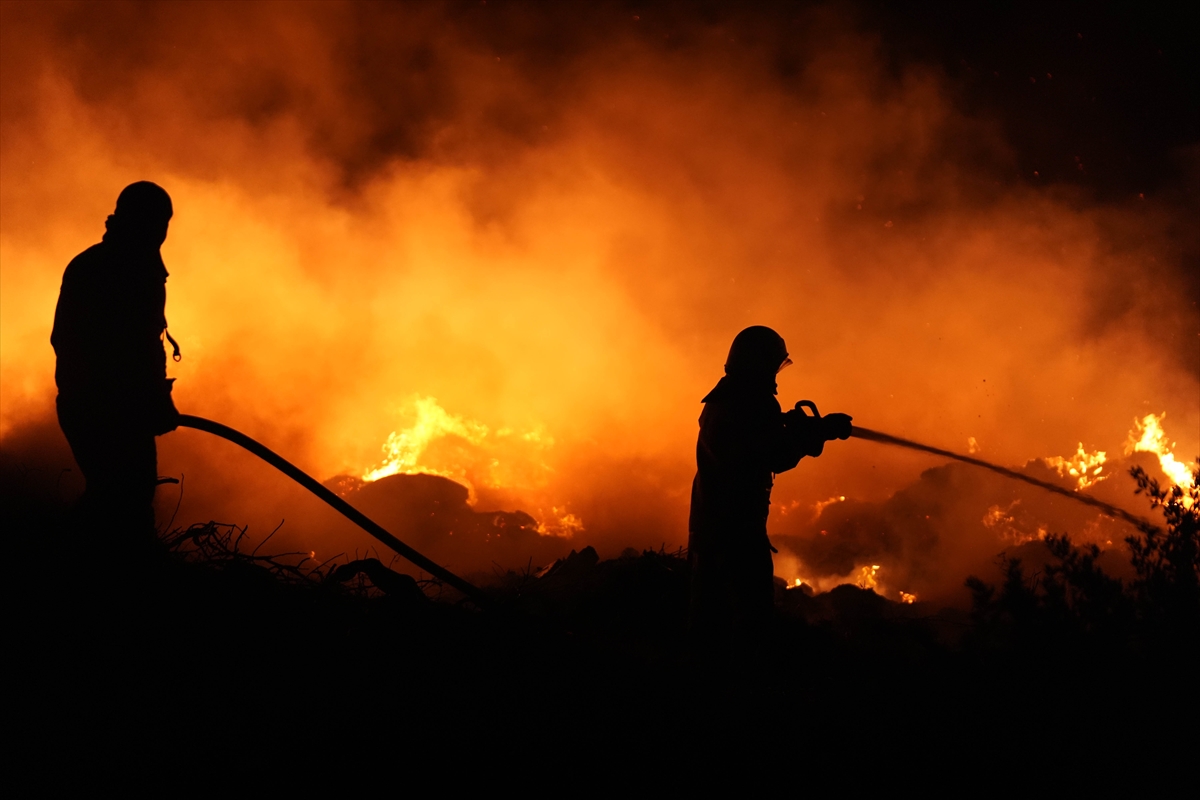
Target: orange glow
524,274
867,577
1148,436
821,505
403,449
1085,467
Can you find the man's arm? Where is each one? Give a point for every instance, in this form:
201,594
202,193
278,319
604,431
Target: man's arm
805,435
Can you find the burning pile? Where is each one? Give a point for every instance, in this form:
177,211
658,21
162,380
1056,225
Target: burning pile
501,464
553,222
955,519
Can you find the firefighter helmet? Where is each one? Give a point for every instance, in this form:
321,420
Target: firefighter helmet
757,350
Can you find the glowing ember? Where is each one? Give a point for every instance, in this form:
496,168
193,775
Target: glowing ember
908,598
1148,436
1085,467
996,516
1003,521
821,505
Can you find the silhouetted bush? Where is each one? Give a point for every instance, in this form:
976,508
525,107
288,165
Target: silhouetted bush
1073,601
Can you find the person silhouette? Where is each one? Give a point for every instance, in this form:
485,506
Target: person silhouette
745,440
114,396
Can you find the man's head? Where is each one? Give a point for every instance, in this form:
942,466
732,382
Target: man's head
143,212
757,351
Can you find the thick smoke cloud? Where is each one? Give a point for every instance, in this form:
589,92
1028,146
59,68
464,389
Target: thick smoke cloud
554,220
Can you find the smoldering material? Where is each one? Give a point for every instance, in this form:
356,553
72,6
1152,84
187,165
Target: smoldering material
553,225
1108,508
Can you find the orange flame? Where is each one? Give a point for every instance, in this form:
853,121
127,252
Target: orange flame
867,577
403,448
406,452
1148,436
1085,467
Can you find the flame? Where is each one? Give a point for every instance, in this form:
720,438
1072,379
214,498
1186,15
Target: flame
553,264
403,449
1148,436
406,453
559,523
1085,467
908,598
1004,523
867,577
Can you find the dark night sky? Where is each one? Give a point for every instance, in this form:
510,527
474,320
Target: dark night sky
1104,85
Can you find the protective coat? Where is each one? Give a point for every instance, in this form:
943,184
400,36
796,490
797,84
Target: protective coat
111,373
745,440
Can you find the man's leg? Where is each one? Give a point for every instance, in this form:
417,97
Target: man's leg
119,463
130,474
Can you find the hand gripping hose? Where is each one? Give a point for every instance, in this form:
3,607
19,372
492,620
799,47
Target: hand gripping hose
350,512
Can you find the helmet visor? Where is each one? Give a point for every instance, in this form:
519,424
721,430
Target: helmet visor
787,362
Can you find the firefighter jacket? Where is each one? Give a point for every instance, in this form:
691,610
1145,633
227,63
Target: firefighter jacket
108,329
745,440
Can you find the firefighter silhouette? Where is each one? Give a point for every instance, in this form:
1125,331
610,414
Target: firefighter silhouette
113,393
745,440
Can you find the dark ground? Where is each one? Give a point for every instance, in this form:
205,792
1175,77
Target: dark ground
141,657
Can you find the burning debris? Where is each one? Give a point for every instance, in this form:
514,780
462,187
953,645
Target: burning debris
955,519
501,465
1085,467
1148,436
513,227
404,448
432,513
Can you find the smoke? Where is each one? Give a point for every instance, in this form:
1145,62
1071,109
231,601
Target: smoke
952,521
555,220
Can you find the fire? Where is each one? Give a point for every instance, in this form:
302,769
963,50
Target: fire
500,459
908,598
403,449
560,523
346,237
1003,521
1085,467
867,577
1148,436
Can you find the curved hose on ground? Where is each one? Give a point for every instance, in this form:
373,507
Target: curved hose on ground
350,512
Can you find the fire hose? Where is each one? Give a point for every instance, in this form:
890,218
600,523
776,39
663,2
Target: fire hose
875,436
477,594
350,512
885,438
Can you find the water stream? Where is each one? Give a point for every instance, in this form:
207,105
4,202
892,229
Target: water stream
876,436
